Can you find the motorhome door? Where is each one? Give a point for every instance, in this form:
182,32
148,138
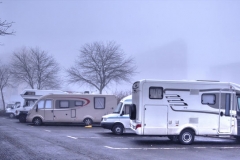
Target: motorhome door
155,120
225,106
48,113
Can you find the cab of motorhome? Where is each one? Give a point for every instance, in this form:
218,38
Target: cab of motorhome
118,121
182,109
30,96
11,109
73,108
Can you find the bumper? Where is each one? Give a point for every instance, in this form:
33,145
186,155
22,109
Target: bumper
28,119
107,125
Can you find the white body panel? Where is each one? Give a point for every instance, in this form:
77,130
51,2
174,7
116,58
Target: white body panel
182,106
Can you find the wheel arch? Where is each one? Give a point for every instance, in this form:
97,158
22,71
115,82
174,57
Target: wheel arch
37,117
88,116
189,128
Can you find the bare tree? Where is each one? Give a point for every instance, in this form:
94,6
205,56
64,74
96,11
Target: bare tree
121,94
35,68
4,80
100,64
4,27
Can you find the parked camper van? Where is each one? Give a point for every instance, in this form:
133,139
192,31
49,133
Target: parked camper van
119,120
11,109
30,96
183,109
75,108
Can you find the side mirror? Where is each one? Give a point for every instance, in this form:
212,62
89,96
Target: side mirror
37,108
122,113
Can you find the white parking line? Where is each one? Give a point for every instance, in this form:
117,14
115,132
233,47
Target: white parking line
47,130
72,137
170,148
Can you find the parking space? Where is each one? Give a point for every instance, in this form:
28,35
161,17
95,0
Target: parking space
74,141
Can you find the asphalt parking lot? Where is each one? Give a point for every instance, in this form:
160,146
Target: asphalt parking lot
74,141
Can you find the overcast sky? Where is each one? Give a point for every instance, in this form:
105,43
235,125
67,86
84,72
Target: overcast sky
169,39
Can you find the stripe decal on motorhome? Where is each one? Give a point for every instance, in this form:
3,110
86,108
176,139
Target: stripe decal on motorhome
175,100
85,101
208,112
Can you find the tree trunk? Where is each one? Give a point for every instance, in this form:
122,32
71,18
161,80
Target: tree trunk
3,99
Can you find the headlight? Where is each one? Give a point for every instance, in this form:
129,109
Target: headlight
104,119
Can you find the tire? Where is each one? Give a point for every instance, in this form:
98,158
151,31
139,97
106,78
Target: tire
87,121
22,118
37,121
11,115
118,129
186,137
173,138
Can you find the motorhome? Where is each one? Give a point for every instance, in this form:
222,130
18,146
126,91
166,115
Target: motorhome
30,96
11,109
182,109
118,121
74,108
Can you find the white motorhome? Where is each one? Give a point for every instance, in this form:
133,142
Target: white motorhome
118,121
11,109
30,96
183,109
74,108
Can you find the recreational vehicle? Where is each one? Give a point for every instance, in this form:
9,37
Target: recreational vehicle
11,109
30,96
118,121
182,109
74,108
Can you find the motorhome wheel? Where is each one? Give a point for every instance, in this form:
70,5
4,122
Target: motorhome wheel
11,115
37,121
87,121
117,129
186,137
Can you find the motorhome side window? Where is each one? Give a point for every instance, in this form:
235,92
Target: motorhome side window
48,104
238,101
63,104
126,109
99,102
209,99
78,103
29,93
41,104
155,93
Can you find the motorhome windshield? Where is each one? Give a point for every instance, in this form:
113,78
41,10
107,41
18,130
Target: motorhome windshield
29,102
118,108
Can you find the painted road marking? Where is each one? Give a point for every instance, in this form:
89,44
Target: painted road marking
72,137
47,130
171,148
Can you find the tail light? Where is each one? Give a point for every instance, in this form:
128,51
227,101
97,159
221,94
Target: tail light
138,126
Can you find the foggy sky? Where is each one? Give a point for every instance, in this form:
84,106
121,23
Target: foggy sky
169,39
